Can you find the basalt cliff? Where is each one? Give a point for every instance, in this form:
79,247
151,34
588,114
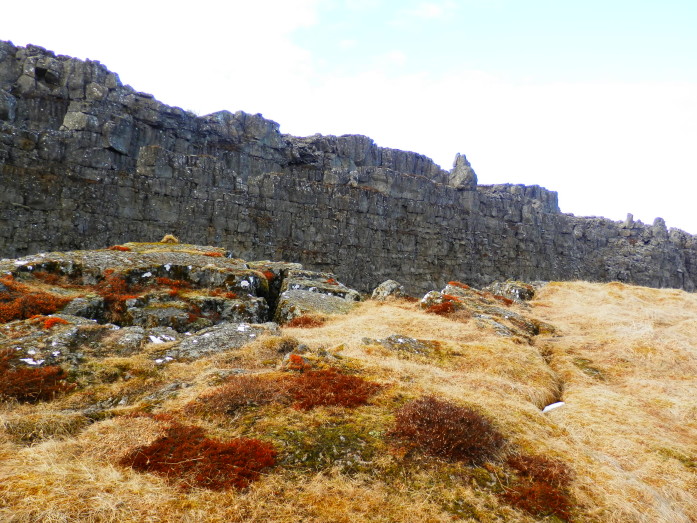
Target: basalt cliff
86,162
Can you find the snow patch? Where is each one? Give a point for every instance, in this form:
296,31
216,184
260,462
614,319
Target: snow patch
552,406
31,361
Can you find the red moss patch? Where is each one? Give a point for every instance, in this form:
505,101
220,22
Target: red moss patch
121,248
502,299
329,387
213,254
185,456
239,392
31,384
459,284
116,291
542,488
175,286
222,293
448,431
270,276
306,321
21,301
52,322
48,277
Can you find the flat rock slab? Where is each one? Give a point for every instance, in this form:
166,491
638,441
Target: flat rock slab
399,343
294,303
218,338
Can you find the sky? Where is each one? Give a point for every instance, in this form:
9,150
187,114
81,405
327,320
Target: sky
596,100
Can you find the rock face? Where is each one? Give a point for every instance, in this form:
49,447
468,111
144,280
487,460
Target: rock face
86,161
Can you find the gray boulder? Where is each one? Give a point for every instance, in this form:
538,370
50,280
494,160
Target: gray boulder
388,289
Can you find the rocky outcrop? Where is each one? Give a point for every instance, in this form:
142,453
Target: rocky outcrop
86,161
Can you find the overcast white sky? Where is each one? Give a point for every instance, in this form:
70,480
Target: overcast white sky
596,99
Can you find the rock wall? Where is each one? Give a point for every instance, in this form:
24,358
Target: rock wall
87,162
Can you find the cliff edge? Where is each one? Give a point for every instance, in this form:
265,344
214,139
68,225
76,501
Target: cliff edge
86,161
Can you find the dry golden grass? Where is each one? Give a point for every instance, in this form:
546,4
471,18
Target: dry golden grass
624,361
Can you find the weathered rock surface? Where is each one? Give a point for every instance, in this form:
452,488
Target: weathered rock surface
399,343
86,161
388,289
219,338
314,293
58,307
488,310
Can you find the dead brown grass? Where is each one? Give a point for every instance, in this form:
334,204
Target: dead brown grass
623,361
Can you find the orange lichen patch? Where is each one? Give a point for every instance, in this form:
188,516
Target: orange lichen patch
116,291
502,299
332,281
459,284
447,430
48,323
186,457
48,277
30,384
269,275
121,248
329,387
447,306
21,301
222,293
297,363
213,254
176,286
306,321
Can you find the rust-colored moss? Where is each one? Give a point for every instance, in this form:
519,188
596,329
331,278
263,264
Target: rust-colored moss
238,392
502,299
184,455
269,275
447,430
20,301
329,387
121,248
459,284
542,488
49,277
52,322
306,321
30,384
213,254
116,291
297,363
222,293
175,286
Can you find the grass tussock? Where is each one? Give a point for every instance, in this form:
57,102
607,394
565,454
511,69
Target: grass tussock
186,457
30,384
447,430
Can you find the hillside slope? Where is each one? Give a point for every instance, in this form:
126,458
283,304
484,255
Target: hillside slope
398,410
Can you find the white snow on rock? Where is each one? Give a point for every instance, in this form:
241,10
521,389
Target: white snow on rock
31,361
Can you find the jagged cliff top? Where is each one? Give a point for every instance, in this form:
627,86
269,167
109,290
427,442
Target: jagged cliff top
157,367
